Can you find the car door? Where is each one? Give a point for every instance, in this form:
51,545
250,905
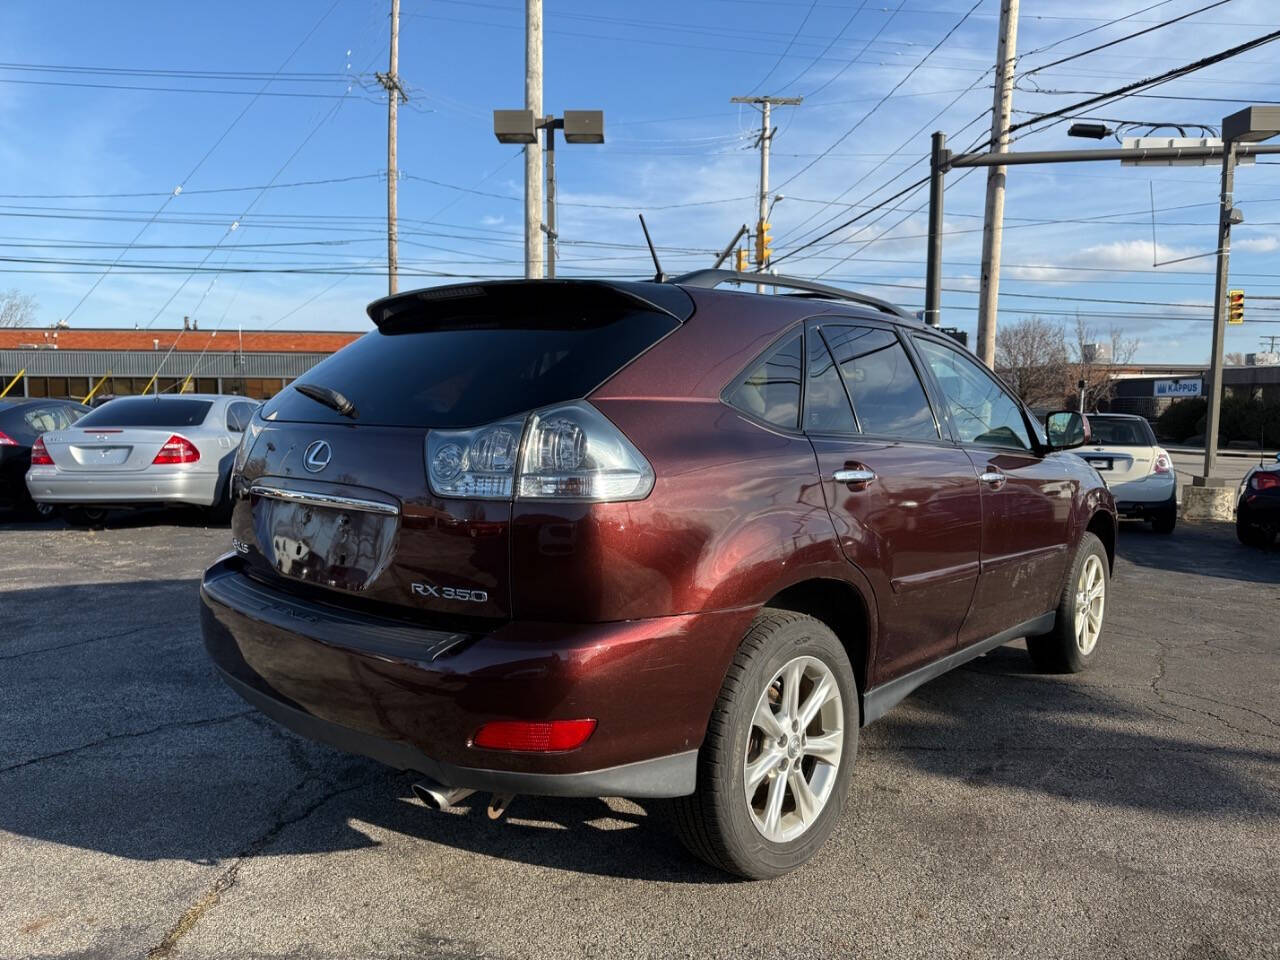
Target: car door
904,499
1026,497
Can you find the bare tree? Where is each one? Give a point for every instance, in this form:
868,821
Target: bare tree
1094,366
17,309
1031,355
1233,359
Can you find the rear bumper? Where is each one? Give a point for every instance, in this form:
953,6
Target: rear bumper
50,485
1153,494
413,698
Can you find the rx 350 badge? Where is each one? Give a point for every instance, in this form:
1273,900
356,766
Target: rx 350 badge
449,593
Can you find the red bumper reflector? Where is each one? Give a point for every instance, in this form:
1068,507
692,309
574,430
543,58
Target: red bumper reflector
534,737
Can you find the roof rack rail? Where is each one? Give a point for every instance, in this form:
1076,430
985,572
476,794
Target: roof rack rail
709,279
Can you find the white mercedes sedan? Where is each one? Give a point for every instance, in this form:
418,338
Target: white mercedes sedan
141,451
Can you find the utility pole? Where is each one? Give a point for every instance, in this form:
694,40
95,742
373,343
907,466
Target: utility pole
533,261
1225,212
993,220
391,81
763,251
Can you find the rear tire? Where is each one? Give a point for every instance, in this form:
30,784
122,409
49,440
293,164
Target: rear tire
1166,521
1249,533
1072,644
789,666
86,517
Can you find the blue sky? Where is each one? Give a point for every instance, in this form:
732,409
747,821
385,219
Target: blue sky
676,149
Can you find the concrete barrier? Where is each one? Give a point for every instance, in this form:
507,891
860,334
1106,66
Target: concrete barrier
1208,503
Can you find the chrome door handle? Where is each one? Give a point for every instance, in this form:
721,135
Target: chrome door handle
993,478
853,476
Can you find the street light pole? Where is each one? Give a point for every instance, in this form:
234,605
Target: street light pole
550,227
933,269
533,151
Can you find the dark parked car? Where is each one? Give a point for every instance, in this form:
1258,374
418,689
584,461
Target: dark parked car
1258,505
21,422
588,538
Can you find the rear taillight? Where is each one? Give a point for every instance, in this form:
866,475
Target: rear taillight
543,737
566,452
1161,463
39,455
177,450
1265,480
6,440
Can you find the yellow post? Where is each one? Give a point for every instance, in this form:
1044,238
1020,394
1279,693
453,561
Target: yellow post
186,384
16,377
150,382
96,387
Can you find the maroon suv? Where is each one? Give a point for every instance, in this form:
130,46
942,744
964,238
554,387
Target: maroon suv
589,538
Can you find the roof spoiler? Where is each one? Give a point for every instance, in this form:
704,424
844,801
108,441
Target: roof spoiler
460,302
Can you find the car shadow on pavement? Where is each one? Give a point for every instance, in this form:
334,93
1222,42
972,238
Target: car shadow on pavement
1205,549
125,742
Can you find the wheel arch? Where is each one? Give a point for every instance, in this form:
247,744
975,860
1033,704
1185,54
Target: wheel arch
1103,526
841,606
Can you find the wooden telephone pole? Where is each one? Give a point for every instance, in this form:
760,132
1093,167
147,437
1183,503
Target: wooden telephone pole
391,81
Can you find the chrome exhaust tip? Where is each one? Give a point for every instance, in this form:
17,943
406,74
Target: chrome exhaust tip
436,796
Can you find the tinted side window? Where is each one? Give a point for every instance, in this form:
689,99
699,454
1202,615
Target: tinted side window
981,411
887,395
826,405
770,389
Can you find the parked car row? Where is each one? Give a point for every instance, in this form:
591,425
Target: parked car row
58,455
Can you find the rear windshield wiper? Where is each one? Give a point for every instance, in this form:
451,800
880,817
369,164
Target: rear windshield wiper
329,397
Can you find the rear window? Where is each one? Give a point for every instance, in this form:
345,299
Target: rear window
148,412
475,373
1121,433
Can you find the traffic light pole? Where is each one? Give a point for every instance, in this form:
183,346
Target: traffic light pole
1214,391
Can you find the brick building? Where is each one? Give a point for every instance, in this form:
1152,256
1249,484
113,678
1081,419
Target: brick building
69,362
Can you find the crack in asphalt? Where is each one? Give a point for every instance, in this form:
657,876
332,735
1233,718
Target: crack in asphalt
229,877
175,725
79,643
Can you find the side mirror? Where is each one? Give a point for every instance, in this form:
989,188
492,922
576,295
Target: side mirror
1067,429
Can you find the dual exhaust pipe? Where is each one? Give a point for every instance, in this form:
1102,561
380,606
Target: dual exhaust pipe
437,796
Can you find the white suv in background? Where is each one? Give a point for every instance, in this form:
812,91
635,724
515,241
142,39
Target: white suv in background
1137,470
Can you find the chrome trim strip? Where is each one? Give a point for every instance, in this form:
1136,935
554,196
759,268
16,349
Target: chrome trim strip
324,500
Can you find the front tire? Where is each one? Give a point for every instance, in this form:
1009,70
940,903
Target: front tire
775,768
1072,644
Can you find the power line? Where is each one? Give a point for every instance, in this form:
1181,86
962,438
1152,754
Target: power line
201,162
1165,77
1127,37
910,73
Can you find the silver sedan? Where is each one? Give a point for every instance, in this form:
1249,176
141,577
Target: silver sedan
140,451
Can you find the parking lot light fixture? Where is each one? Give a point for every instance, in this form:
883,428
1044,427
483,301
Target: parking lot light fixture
521,127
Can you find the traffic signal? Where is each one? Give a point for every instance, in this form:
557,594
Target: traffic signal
764,243
740,264
1235,306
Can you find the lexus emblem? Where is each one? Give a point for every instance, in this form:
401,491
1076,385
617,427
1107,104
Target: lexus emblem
317,456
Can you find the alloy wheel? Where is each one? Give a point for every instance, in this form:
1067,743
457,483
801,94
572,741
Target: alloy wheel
793,751
1091,597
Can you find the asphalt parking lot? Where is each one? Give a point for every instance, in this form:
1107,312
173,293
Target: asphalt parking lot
145,811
